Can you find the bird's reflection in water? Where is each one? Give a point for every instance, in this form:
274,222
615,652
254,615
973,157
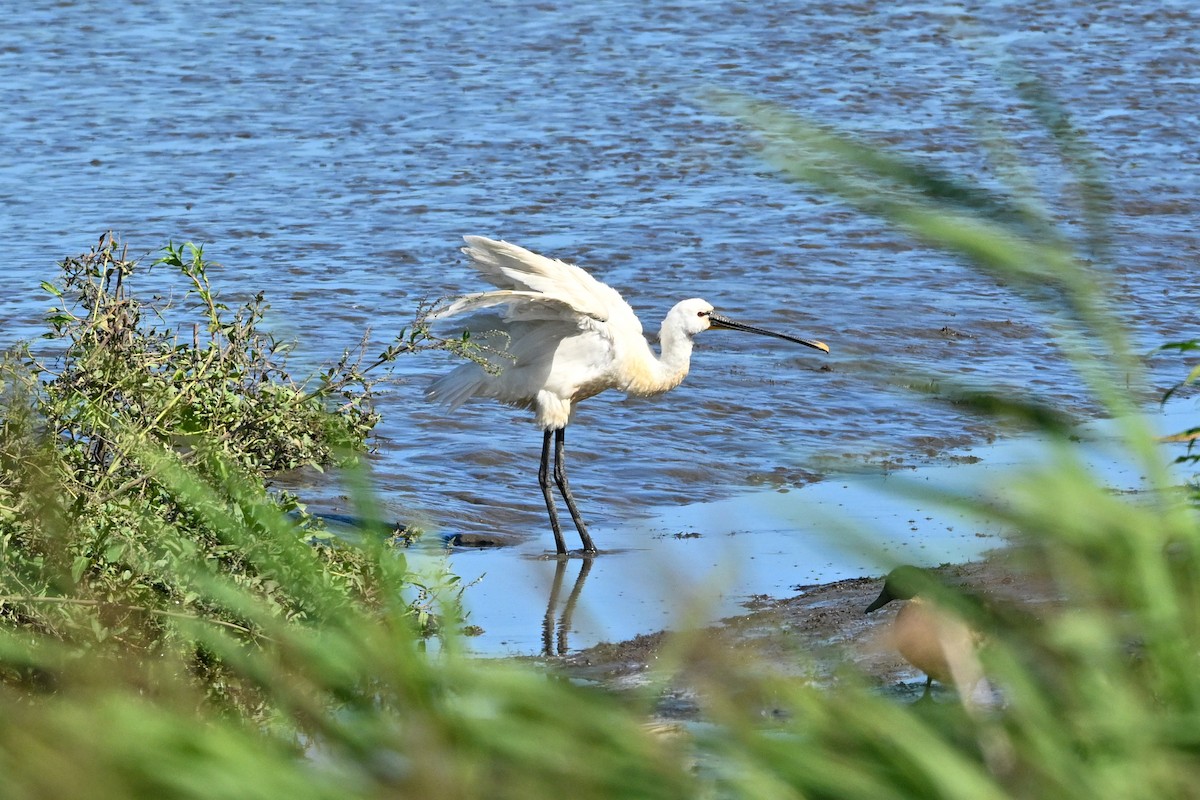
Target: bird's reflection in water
554,637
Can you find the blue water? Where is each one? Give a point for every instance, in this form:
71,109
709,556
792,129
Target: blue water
333,154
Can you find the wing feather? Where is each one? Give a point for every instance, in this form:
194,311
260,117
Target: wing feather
518,306
515,269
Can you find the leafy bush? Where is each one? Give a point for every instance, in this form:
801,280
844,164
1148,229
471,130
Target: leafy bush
1192,434
98,549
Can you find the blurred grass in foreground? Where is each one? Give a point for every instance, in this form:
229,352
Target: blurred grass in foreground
1100,697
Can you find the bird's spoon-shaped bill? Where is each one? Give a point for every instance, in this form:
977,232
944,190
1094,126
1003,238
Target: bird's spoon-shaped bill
719,321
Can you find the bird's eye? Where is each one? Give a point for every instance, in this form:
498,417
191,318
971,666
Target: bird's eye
702,313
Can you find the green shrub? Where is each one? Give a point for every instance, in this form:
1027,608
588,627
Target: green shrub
98,550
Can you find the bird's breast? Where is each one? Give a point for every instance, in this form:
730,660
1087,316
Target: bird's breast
935,642
643,375
917,631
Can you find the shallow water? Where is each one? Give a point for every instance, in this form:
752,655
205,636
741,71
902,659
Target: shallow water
695,564
334,154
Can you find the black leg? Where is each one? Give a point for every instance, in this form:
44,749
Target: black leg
544,481
927,696
560,477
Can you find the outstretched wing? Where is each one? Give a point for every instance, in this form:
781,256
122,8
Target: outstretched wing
517,307
523,276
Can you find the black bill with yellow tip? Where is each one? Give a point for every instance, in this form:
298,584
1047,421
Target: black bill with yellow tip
719,321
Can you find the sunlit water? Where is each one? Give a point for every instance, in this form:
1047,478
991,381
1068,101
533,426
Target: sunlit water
333,154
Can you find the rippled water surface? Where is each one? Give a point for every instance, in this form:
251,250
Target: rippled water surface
333,154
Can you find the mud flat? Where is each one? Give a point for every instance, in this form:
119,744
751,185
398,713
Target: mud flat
811,636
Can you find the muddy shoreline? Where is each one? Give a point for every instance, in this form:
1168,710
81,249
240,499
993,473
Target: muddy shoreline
813,635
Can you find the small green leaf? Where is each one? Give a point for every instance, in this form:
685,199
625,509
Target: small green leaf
78,567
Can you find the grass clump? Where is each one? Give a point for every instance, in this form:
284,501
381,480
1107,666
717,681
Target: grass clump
1098,692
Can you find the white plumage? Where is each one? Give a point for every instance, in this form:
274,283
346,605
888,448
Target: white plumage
566,337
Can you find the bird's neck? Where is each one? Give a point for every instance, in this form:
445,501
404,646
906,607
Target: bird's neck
675,353
649,375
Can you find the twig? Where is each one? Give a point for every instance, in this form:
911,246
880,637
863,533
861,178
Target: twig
78,601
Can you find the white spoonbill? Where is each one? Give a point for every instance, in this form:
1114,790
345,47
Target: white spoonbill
568,337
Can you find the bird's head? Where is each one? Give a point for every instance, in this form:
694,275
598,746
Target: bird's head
692,316
696,315
902,583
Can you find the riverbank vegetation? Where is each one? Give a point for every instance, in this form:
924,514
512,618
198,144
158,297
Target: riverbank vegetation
135,454
170,627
